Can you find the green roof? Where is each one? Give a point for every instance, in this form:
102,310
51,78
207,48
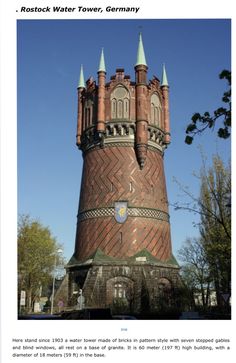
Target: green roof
172,261
81,78
145,253
102,67
140,54
72,261
99,257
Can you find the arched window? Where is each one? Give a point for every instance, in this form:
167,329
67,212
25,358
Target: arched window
155,110
120,100
120,288
126,108
88,113
113,108
120,109
119,291
164,285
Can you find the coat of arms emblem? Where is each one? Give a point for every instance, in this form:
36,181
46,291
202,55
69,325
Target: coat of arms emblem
121,211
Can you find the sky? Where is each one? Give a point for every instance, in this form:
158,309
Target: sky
49,55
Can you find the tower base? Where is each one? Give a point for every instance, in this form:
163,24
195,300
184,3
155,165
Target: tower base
139,284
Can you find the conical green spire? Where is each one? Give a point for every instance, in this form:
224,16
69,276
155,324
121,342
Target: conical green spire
164,77
102,67
81,78
140,54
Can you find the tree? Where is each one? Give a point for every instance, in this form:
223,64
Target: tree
199,123
195,271
215,227
37,251
214,207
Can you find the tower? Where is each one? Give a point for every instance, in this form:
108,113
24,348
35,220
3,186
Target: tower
123,256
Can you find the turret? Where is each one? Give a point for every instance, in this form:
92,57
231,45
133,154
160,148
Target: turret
141,137
165,92
80,88
101,95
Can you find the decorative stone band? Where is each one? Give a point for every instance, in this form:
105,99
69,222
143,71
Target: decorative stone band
132,212
148,213
121,133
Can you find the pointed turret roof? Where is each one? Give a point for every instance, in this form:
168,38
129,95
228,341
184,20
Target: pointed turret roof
140,54
81,83
164,77
102,67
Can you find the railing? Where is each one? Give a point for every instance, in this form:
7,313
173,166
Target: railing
121,129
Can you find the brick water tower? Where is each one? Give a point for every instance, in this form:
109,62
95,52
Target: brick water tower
123,256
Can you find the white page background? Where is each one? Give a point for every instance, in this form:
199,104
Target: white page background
10,326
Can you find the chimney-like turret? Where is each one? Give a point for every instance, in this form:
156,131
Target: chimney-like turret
80,88
141,137
101,95
165,92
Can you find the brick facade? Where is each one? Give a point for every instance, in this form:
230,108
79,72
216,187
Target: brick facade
112,174
123,261
128,287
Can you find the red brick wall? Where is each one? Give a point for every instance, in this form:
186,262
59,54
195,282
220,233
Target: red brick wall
107,176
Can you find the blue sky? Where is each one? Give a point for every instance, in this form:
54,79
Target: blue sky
49,56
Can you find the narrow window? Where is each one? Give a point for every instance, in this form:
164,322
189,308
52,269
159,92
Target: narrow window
113,108
89,113
155,110
156,117
130,186
126,108
120,109
152,113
